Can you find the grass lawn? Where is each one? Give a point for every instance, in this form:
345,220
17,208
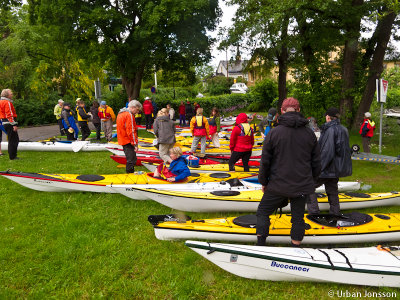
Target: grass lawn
87,245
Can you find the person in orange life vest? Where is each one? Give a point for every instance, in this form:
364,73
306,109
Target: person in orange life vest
107,117
215,126
200,131
367,131
148,112
8,119
177,170
182,112
127,133
241,144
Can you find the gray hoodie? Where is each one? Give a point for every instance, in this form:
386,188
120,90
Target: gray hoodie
164,129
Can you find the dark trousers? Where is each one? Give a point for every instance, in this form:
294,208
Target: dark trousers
70,136
366,142
130,154
13,141
84,129
60,124
245,156
182,120
138,120
98,130
269,203
148,121
331,188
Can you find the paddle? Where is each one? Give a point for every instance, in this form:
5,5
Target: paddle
78,145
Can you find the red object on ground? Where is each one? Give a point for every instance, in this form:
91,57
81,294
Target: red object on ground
157,160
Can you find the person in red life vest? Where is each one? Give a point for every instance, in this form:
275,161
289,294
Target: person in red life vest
127,133
182,112
367,131
200,131
8,119
241,144
215,126
107,117
148,112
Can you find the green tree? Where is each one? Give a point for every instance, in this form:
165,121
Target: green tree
134,36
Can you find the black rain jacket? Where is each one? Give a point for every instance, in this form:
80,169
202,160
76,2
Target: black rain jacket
290,160
335,150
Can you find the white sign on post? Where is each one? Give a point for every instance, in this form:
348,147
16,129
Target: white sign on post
383,90
381,93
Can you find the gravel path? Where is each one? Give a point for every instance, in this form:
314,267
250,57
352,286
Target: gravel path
37,133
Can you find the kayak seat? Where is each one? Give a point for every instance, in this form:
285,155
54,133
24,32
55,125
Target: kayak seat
248,221
220,175
194,174
90,177
234,182
357,195
345,220
225,193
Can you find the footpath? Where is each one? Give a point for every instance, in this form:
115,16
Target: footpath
37,133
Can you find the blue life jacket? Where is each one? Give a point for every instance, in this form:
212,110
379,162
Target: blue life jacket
71,121
179,168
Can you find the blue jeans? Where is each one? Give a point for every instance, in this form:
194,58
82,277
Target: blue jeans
182,120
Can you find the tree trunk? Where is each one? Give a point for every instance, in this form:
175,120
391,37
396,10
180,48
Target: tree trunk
384,29
349,66
133,84
283,63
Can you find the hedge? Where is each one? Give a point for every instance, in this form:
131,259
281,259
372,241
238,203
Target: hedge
40,111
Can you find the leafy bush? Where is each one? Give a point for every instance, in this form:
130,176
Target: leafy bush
219,85
264,92
32,111
226,103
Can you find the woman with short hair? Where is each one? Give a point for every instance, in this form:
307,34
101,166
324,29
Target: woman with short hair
164,129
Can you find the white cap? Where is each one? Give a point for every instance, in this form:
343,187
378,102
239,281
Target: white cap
60,101
147,98
367,114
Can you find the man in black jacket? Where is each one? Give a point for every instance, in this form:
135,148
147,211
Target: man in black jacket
335,161
290,163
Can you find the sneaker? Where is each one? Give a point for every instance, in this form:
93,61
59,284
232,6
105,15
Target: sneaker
15,158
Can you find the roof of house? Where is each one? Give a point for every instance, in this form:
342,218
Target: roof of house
236,66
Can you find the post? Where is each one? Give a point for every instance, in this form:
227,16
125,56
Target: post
378,98
155,76
380,129
97,89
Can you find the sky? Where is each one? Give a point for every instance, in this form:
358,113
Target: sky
228,13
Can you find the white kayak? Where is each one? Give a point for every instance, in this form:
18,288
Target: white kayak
56,146
370,266
248,200
132,192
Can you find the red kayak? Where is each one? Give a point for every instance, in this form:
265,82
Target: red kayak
156,159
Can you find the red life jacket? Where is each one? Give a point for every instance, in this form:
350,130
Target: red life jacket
199,126
213,125
244,140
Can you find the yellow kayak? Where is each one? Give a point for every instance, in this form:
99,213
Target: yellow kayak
104,183
353,227
247,201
